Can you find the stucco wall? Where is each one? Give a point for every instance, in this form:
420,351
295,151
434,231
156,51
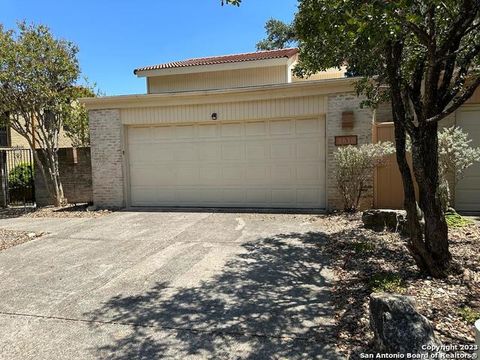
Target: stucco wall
107,158
218,79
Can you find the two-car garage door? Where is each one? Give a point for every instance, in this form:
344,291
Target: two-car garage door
273,164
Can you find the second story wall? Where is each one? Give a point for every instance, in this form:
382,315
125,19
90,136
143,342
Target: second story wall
218,79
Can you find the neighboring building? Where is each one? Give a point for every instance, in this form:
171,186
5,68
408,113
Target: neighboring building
228,131
9,138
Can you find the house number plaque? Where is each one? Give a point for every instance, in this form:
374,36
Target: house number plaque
346,140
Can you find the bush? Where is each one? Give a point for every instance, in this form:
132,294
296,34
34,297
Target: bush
455,155
354,166
21,176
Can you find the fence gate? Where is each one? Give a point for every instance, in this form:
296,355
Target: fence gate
17,177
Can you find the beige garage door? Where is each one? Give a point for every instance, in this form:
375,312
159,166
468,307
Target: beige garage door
278,164
467,197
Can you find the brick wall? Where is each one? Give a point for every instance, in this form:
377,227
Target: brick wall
362,128
75,174
107,158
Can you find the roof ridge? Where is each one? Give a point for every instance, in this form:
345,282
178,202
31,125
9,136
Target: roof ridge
219,59
236,54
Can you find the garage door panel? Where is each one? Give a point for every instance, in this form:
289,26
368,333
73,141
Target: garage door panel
235,151
140,136
232,130
207,131
257,174
308,174
256,128
282,174
307,126
282,151
308,196
208,151
281,127
283,196
258,196
184,152
144,176
187,175
161,133
255,151
254,164
233,175
308,151
184,132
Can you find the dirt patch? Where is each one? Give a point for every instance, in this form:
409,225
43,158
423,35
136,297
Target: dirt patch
365,261
69,211
9,238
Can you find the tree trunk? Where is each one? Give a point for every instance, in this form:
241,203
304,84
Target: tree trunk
50,175
425,166
428,231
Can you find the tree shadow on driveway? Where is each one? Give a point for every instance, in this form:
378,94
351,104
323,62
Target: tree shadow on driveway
270,301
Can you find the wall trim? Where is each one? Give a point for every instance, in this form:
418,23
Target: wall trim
264,92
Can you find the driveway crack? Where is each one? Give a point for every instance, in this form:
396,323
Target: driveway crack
171,328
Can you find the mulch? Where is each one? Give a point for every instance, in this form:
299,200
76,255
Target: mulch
9,238
68,211
358,254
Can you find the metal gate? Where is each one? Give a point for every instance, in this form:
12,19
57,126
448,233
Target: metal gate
17,176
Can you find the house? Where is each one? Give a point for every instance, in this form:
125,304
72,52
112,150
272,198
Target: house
227,131
9,138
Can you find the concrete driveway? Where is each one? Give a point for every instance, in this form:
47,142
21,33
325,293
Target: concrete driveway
169,285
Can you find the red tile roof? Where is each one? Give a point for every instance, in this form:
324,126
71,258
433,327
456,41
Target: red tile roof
225,59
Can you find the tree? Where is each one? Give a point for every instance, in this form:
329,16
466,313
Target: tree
279,36
37,78
75,122
354,167
422,55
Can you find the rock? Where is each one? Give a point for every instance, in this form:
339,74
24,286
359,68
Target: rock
91,208
398,327
31,235
384,219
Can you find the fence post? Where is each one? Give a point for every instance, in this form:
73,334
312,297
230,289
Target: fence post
3,179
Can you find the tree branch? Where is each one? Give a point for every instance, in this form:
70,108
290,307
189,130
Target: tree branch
457,102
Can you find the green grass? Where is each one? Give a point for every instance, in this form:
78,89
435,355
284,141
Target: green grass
362,246
469,315
455,220
387,282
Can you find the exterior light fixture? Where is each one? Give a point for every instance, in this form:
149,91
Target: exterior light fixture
214,116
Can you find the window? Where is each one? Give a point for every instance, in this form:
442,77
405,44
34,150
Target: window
4,136
4,130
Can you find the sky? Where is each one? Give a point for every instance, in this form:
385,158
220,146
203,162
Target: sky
117,36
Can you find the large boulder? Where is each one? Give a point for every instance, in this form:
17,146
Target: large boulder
384,219
398,327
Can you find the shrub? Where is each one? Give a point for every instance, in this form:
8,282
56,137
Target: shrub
455,156
354,166
21,176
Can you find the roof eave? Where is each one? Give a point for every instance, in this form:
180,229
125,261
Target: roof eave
308,88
